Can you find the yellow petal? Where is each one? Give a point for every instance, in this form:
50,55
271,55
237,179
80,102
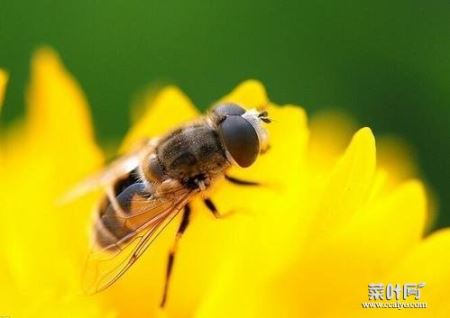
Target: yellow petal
359,253
3,81
55,99
401,216
348,187
169,109
428,263
55,149
250,93
332,130
58,119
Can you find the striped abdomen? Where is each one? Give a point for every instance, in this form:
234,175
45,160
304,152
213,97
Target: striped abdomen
112,226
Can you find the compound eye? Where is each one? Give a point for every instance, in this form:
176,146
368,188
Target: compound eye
240,139
229,109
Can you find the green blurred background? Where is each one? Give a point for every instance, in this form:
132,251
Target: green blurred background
385,62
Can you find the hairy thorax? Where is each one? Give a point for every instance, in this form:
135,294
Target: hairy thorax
192,153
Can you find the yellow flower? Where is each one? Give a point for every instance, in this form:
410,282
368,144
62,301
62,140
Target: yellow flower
326,223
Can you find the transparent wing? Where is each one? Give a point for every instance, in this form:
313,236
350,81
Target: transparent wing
104,266
139,203
116,169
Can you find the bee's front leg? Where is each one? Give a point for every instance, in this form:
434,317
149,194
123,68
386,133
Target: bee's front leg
241,182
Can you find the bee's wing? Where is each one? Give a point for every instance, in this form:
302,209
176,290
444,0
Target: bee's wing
104,266
116,169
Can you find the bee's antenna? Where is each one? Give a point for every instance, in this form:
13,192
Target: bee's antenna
264,116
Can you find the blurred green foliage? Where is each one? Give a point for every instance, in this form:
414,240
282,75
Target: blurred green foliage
385,62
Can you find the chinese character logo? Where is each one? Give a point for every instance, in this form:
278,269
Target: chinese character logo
376,291
379,291
396,296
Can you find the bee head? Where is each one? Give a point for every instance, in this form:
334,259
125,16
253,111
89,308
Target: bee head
242,132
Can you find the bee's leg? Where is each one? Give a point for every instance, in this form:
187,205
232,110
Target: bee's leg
241,182
213,209
183,225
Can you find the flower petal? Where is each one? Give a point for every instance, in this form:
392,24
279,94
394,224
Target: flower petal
429,262
47,242
58,120
250,93
348,186
401,218
345,262
361,252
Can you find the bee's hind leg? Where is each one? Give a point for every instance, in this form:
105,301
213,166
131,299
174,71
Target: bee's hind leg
181,229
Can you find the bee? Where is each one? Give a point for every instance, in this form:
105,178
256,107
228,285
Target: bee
146,189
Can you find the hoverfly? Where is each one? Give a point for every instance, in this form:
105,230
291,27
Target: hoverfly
147,188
